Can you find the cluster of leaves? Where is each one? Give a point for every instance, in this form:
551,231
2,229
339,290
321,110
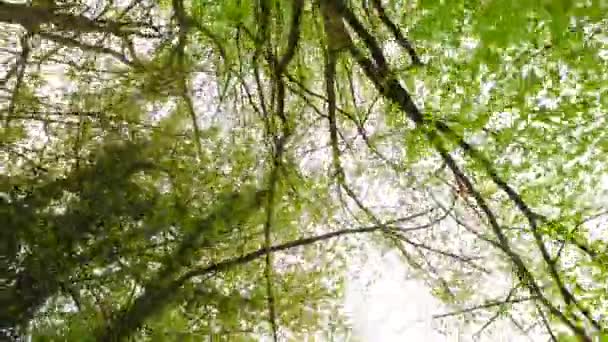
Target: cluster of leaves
161,198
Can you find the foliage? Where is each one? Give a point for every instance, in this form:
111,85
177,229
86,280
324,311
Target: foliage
179,169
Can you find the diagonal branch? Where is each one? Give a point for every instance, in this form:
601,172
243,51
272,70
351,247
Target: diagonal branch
160,289
464,259
341,11
85,47
496,314
486,305
531,216
294,37
377,72
404,42
592,254
32,17
159,293
229,263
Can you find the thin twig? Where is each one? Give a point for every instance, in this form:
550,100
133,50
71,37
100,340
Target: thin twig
378,72
484,306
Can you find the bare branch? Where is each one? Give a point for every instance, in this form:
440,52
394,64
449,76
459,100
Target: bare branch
19,68
486,305
377,71
397,33
226,264
32,17
86,47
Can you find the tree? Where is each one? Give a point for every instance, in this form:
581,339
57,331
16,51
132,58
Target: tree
160,162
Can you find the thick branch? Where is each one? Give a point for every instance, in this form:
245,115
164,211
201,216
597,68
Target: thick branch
294,37
31,17
397,33
377,72
162,287
226,264
158,296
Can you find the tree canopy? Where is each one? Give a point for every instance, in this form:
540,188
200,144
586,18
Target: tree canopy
188,169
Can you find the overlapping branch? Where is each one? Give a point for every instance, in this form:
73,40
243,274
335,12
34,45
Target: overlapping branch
378,72
32,17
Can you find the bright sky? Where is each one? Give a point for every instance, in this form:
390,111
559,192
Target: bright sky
387,306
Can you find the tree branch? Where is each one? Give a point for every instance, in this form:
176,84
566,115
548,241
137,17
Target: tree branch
377,71
31,17
86,47
485,306
396,33
294,37
226,264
